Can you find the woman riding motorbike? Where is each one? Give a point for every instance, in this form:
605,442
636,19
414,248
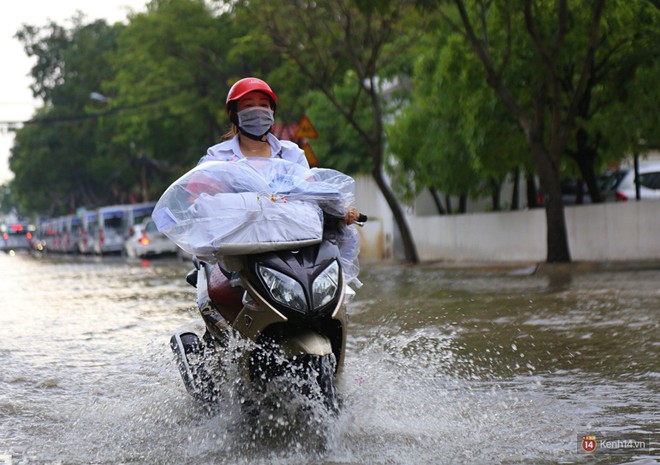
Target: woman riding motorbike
253,205
251,105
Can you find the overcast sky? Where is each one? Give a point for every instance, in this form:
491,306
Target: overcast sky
16,102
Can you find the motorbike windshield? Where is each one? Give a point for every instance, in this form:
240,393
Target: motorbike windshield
250,206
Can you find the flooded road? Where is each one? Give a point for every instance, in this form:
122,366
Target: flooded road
444,366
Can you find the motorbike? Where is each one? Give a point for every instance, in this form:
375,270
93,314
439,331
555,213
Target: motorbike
288,307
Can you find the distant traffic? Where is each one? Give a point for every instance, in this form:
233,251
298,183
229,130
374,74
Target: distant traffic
116,229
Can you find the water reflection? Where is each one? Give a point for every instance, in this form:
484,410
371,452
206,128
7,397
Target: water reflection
444,365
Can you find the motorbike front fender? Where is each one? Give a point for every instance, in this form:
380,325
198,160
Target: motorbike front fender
305,343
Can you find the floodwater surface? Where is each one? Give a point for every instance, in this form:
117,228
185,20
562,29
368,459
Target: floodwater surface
444,365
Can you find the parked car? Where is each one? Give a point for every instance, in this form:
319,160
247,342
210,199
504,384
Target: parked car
618,185
145,240
570,189
16,236
649,182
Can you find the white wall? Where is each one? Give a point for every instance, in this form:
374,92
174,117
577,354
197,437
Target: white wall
481,236
615,231
610,231
378,232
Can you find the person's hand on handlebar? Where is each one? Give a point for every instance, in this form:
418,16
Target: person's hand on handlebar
354,216
351,216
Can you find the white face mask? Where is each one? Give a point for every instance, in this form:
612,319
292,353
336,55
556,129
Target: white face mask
256,120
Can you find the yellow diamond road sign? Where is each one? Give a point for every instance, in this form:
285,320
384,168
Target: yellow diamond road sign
310,155
305,129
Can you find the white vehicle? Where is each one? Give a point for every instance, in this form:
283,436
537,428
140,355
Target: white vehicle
139,213
145,240
85,237
55,241
47,235
649,182
111,229
70,234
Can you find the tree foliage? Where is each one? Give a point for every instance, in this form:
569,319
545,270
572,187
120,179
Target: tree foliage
170,75
455,136
562,45
55,156
7,204
338,142
338,42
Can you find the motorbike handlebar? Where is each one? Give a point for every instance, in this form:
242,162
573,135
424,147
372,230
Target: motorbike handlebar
361,219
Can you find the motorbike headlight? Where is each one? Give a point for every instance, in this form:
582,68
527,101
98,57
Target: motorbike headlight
284,289
325,285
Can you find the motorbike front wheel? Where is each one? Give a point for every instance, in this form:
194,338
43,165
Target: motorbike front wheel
324,366
311,375
191,354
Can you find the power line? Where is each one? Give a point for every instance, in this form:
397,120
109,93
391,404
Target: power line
6,126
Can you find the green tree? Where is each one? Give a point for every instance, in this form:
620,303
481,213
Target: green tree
624,116
557,37
166,98
454,136
338,145
55,154
331,40
627,52
7,203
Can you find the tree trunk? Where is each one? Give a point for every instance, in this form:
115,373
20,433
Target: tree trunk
557,240
585,158
495,195
410,249
579,191
557,237
377,145
531,190
515,195
462,203
438,201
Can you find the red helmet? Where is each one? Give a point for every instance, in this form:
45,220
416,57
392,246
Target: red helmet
247,85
